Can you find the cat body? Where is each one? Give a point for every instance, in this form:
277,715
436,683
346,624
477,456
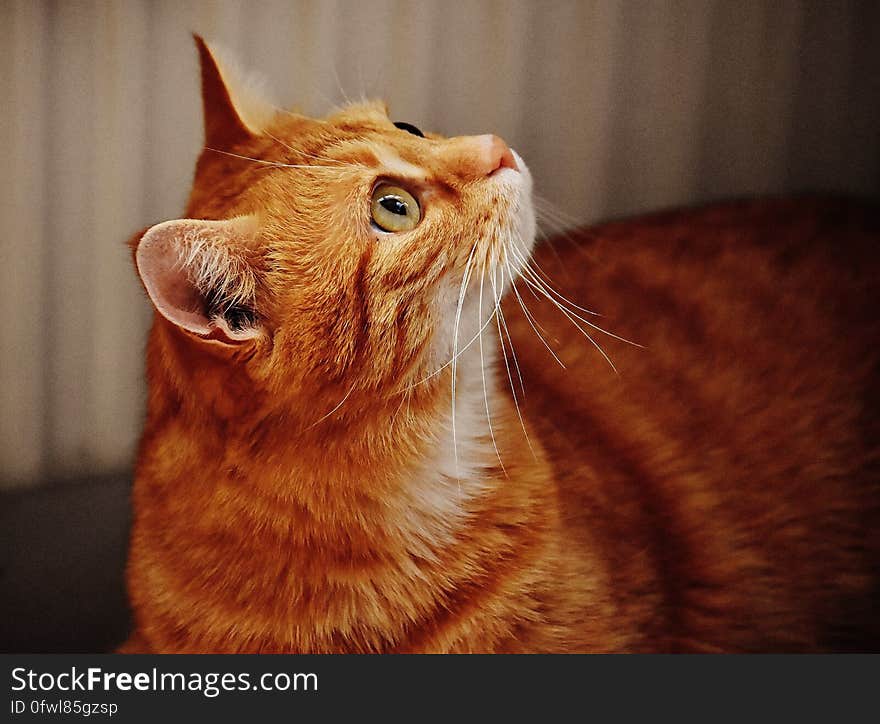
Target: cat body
333,459
729,473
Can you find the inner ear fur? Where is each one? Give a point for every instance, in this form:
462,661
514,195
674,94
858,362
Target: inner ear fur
202,277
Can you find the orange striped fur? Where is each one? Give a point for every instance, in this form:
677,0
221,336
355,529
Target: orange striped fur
301,485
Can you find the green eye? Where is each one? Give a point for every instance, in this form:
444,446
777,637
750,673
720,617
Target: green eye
394,209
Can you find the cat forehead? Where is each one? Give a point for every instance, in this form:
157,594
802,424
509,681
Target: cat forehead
369,143
353,129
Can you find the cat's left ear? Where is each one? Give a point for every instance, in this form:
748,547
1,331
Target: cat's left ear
236,105
202,276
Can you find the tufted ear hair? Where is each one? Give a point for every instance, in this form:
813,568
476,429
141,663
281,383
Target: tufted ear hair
202,276
235,106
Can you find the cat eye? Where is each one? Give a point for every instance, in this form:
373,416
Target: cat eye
394,208
409,128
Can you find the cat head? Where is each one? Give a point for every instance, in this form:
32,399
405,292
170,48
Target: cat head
348,250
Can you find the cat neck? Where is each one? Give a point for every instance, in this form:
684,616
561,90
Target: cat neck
425,447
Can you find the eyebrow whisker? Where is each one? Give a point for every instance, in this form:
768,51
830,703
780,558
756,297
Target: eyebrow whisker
300,152
272,164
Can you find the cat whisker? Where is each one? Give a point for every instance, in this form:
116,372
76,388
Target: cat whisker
571,315
532,262
552,216
272,164
528,315
558,229
548,225
397,412
483,374
545,289
339,84
538,271
299,152
499,319
586,321
362,86
377,81
338,405
551,232
557,222
503,322
549,208
449,362
465,280
525,262
573,319
548,242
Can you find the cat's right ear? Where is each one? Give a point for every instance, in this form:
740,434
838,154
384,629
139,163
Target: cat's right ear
201,276
234,105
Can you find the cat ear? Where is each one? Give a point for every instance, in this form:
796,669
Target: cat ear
235,106
200,277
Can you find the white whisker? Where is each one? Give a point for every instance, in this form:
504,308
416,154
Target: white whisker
586,321
272,164
519,255
339,404
499,318
530,319
339,84
403,398
483,374
300,152
450,361
465,280
572,319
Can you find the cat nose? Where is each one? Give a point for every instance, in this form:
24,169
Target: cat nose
495,154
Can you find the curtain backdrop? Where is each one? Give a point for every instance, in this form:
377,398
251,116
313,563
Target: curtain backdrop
618,107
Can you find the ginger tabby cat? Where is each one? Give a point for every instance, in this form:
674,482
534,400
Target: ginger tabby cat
339,456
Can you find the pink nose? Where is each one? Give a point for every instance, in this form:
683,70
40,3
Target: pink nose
495,155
